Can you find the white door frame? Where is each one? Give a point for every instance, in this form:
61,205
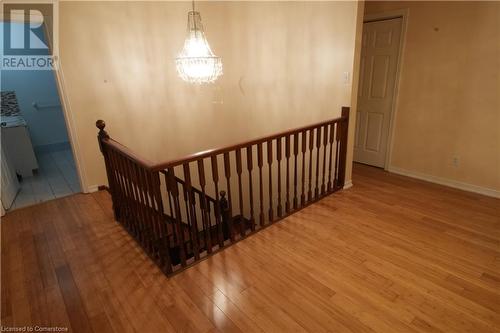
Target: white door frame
65,104
71,128
400,13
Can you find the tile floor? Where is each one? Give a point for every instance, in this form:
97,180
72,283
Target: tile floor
56,177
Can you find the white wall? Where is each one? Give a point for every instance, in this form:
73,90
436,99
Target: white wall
447,125
283,68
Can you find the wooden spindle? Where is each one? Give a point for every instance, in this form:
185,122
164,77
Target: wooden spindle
218,219
153,180
119,192
295,154
278,157
261,187
141,226
128,191
123,200
311,146
325,142
343,146
227,172
240,190
170,206
227,226
134,198
318,146
337,153
228,210
270,163
287,182
179,230
192,211
188,217
304,142
250,185
146,225
146,191
132,195
131,199
113,183
206,207
151,232
331,137
212,231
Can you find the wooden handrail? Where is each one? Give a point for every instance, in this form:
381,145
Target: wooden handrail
179,219
218,151
127,152
210,152
123,150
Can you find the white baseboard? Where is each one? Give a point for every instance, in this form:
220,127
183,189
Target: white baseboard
92,189
446,182
347,184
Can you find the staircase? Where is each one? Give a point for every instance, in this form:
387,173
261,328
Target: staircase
179,220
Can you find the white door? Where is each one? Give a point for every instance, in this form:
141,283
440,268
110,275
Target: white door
379,62
9,185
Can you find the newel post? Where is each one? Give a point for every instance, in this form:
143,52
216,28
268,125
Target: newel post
227,223
101,137
100,124
344,130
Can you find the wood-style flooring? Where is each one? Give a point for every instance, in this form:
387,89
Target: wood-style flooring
391,254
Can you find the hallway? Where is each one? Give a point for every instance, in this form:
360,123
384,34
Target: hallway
391,254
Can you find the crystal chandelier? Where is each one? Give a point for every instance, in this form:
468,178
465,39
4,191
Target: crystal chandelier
196,62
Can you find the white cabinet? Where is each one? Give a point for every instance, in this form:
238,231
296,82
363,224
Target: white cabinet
9,185
16,142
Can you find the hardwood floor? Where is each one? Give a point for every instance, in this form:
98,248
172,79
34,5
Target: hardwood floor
391,254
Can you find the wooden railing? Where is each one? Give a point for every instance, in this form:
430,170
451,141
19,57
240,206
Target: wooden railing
183,210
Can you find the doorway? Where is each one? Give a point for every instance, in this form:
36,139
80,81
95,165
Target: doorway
37,159
380,54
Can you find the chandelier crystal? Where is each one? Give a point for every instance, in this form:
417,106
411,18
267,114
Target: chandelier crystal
196,63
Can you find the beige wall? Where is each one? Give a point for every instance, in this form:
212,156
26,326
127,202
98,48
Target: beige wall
354,93
448,104
283,68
